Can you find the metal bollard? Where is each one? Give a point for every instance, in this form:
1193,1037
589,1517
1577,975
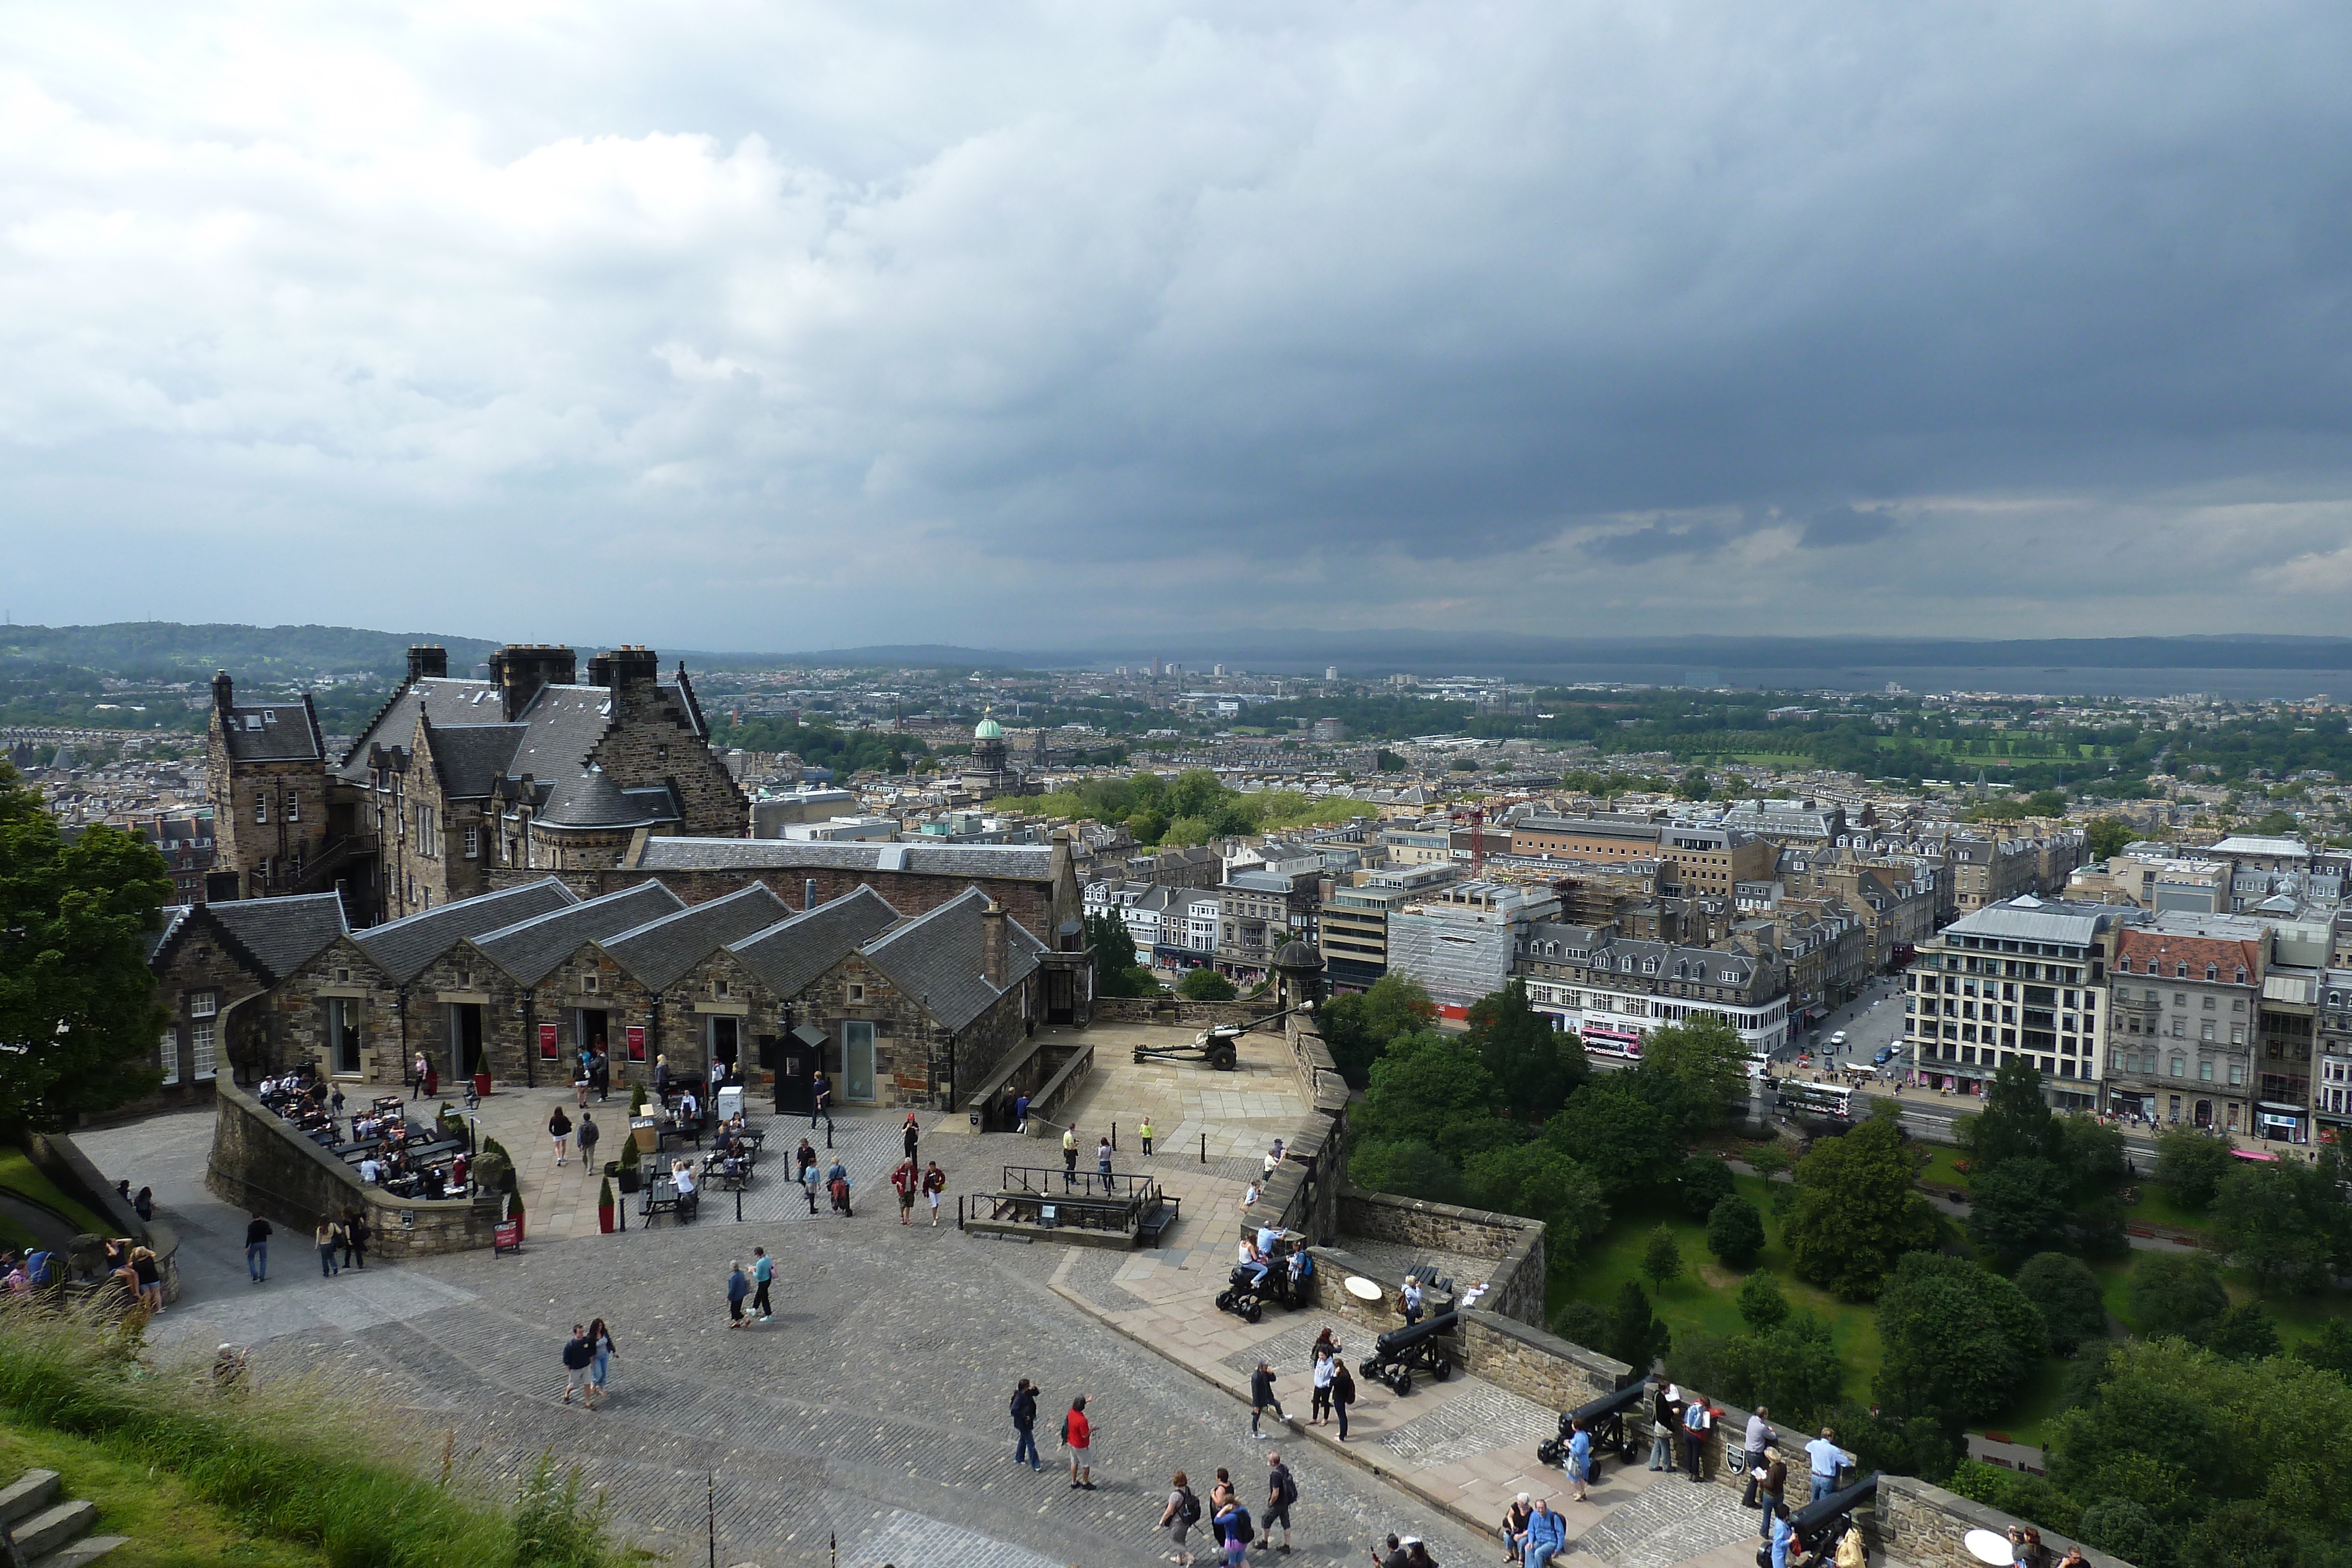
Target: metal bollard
1204,1148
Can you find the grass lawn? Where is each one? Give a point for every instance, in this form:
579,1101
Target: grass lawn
1703,1298
1941,1167
168,1528
20,1176
2155,1207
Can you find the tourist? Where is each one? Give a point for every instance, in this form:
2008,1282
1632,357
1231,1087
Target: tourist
809,1179
1320,1411
143,1205
329,1236
1274,1157
579,1079
1232,1524
821,1103
935,1182
1250,1196
257,1248
589,1135
600,1341
1395,1558
356,1239
739,1286
1183,1511
763,1273
149,1277
661,1080
1262,1398
1343,1390
1416,1554
836,1182
1546,1537
1143,1131
911,1135
1281,1491
1250,1258
682,1173
1826,1459
1220,1492
1078,1436
1020,1112
1408,1301
718,1077
599,1073
1024,1423
1515,1525
370,1168
578,1357
1783,1536
906,1180
1699,1420
1772,1493
1069,1154
1102,1163
1580,1457
558,1128
1758,1441
417,1076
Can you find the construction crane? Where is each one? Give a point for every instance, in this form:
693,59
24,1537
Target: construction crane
1476,817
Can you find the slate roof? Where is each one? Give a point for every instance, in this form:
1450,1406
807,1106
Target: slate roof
404,947
272,732
661,950
2033,919
174,916
282,934
472,757
529,948
792,953
938,955
1030,863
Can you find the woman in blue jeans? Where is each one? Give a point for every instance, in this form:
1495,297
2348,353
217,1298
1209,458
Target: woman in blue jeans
600,1339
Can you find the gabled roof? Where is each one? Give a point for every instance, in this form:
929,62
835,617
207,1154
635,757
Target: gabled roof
661,950
1033,863
404,947
529,948
282,934
272,732
174,916
472,757
938,956
792,953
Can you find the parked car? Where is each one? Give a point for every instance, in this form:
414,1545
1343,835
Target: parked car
1885,1054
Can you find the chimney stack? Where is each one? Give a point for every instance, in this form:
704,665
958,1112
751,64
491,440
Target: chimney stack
429,661
623,665
223,690
520,669
992,944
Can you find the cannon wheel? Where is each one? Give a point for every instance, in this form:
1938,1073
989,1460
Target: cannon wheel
1438,1372
1256,1311
1403,1384
1222,1057
1225,1300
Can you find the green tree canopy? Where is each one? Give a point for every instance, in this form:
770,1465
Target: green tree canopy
1857,1212
1662,1256
2176,1293
2189,1165
2016,1209
1426,1083
2066,1293
2016,1122
2330,1348
1695,1072
1636,1337
1537,1181
1735,1231
75,990
1205,984
2285,1223
1959,1340
1700,1183
1117,973
2244,1332
1358,1026
1760,1303
1536,1065
1611,1128
2107,836
1406,1167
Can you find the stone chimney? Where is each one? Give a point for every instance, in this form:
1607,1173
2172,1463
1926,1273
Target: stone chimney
623,665
992,944
520,669
223,690
427,660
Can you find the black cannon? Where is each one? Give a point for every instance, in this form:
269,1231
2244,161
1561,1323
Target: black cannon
1819,1526
1604,1418
1247,1299
1397,1352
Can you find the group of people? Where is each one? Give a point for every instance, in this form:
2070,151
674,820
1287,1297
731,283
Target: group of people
750,1285
836,1179
587,1359
131,1269
1230,1526
341,1241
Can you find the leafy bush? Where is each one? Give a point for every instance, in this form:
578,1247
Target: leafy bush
1735,1231
1582,1323
2066,1293
1662,1256
2189,1166
1761,1304
1703,1182
1959,1340
2176,1293
1205,984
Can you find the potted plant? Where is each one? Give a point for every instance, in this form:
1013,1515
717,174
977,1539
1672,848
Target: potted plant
604,1208
629,1162
636,1099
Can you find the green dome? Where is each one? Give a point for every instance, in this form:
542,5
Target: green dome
988,729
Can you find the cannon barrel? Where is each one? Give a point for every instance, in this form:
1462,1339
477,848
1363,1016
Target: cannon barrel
1595,1411
1814,1517
1397,1341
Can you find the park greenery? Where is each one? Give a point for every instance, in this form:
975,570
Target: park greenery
1190,809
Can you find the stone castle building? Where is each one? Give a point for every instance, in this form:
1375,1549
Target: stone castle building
455,781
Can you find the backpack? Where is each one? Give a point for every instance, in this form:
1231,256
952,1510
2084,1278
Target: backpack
1188,1507
1243,1529
1289,1489
39,1267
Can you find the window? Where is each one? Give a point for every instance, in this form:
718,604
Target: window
2179,1065
588,984
2208,1004
293,814
342,1034
473,842
2212,972
856,992
261,808
167,1056
204,1051
202,1004
2237,1073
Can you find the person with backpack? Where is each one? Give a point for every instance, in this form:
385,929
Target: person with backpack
1024,1424
1078,1436
257,1248
1281,1491
1547,1535
1234,1529
590,1134
1183,1513
935,1182
1262,1398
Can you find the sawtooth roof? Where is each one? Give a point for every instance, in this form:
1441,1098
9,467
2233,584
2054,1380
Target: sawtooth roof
1028,862
404,947
529,948
283,934
662,949
793,953
938,955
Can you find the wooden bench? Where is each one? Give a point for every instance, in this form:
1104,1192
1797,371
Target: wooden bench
1157,1218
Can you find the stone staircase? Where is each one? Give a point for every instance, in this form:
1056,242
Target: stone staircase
48,1530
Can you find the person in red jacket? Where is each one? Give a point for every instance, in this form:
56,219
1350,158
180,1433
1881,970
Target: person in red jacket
1078,1436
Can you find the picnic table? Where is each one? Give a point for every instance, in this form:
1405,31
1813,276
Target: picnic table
662,1197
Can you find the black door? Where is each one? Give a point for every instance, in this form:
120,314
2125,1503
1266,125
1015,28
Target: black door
466,1021
797,1055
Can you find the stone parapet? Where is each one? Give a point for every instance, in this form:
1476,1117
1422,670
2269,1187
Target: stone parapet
1922,1525
1516,1245
1535,1366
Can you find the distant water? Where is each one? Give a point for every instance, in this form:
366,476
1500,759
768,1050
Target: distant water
2240,685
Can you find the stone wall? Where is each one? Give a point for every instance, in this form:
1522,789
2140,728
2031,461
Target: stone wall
1922,1524
652,741
1181,1011
1515,1245
262,1165
1534,1364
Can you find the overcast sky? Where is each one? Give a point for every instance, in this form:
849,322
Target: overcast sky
788,324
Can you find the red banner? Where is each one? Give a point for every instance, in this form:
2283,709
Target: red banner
636,1033
546,1042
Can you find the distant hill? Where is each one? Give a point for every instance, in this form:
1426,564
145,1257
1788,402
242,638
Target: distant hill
141,648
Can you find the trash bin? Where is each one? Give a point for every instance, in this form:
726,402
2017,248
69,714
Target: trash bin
730,1103
481,1085
646,1134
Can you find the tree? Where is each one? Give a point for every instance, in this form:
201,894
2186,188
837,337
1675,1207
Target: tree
1735,1231
2284,1223
1540,1182
1857,1212
75,989
1426,1083
1636,1337
2189,1166
1615,1132
1695,786
1582,1323
2330,1348
1405,1167
1662,1257
1792,1368
2121,1528
2016,1122
1706,1061
1703,1182
2244,1332
1536,1065
2066,1293
1959,1340
1117,973
1358,1026
1761,1304
2106,836
2176,1293
1205,984
2016,1209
